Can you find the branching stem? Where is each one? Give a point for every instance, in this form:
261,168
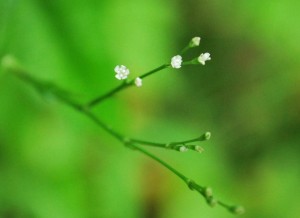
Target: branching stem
60,94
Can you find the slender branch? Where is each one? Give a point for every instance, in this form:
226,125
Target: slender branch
203,137
179,146
206,192
101,98
121,87
155,144
57,92
180,175
154,70
184,50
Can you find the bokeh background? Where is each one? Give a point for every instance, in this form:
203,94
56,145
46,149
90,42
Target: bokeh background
54,162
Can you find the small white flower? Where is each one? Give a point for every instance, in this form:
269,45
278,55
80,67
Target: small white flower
204,57
195,42
176,61
138,82
121,72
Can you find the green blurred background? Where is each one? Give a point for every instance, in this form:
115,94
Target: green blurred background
56,163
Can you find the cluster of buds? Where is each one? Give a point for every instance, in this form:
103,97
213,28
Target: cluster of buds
185,146
207,193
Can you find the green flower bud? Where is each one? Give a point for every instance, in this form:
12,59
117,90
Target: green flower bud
207,135
238,210
194,42
212,201
208,192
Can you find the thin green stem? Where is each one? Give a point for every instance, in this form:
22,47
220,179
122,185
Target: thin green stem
101,98
57,92
44,86
184,50
105,127
186,141
166,145
223,204
191,62
155,144
121,87
164,66
37,84
180,175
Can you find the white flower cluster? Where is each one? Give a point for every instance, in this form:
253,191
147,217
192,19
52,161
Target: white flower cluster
176,61
204,57
122,73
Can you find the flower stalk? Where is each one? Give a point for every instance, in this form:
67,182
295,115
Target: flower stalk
121,74
178,146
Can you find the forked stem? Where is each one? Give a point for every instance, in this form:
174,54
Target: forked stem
42,86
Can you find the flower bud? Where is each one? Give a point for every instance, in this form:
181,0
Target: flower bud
194,42
204,57
183,149
197,148
212,201
207,135
238,210
138,82
180,148
208,192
